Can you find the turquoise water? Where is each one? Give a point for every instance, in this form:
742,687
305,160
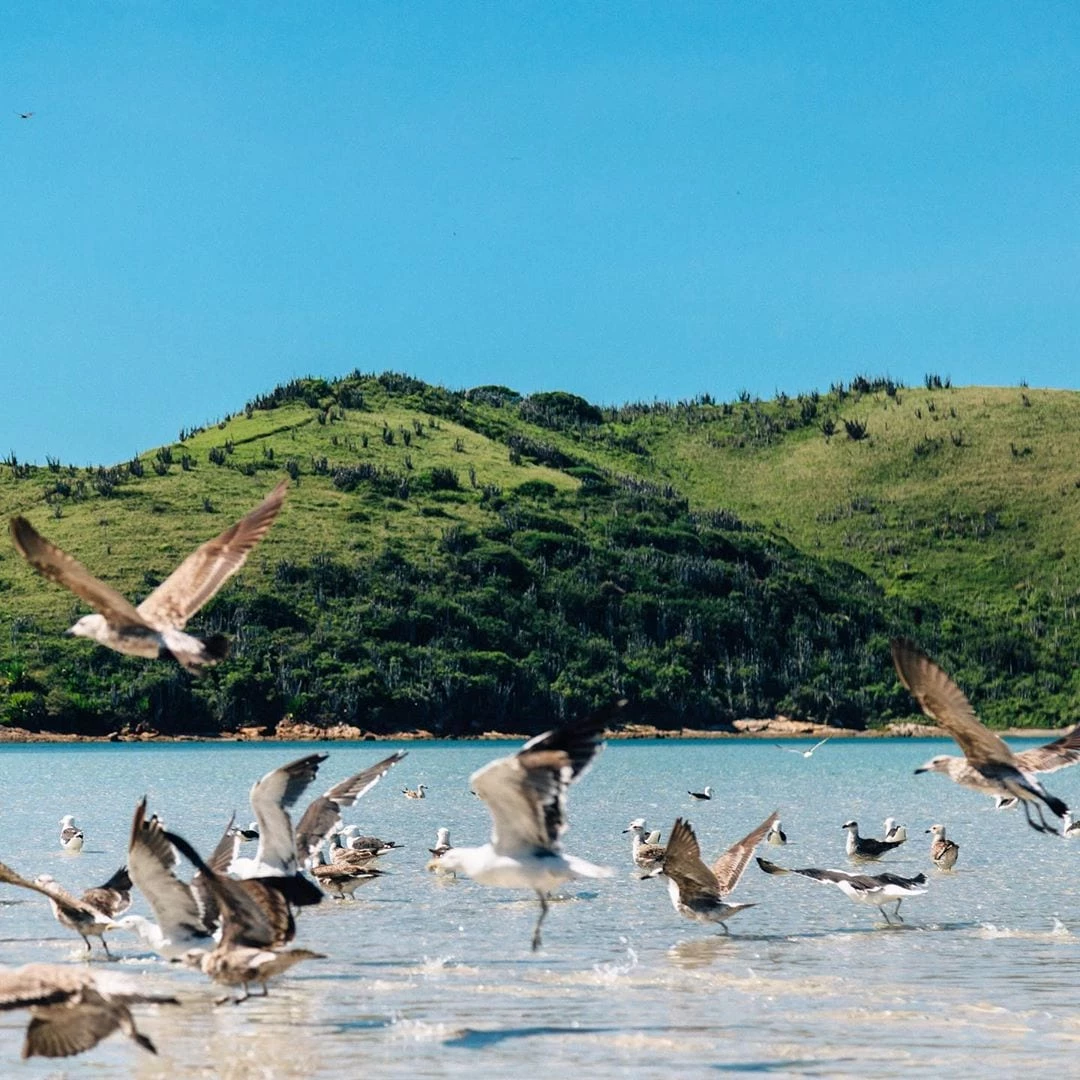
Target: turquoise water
429,977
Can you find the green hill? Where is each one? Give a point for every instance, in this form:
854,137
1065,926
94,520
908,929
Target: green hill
481,560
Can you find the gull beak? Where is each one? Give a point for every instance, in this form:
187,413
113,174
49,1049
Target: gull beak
921,768
68,633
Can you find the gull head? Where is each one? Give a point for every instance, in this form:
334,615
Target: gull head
852,825
637,825
66,820
938,831
937,764
91,626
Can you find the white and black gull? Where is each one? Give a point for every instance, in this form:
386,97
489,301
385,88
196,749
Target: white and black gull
873,890
71,836
647,856
702,796
988,765
700,892
525,794
866,847
154,629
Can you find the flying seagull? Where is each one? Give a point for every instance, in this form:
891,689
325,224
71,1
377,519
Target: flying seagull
803,753
873,890
866,847
525,794
943,852
154,629
988,765
250,948
72,1009
697,891
24,115
181,922
322,818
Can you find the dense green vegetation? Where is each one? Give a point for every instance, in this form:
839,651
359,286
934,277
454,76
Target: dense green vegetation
480,560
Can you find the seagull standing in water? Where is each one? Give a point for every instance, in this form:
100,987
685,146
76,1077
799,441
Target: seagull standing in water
942,851
525,794
988,765
71,837
701,796
697,891
154,629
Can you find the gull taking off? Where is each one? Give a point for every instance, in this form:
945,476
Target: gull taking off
154,629
697,891
988,765
873,890
525,794
73,1009
866,847
803,753
943,852
71,837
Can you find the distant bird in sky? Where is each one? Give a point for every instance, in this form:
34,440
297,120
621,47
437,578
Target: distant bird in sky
71,837
698,891
154,629
874,890
701,796
525,794
24,115
803,753
988,765
72,1008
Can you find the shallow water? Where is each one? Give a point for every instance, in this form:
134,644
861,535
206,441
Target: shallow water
430,977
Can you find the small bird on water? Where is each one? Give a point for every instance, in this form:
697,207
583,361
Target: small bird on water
71,837
943,852
701,796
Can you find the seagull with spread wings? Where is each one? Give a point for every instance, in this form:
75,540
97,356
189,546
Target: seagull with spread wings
154,629
988,765
73,1009
698,891
525,794
803,753
874,890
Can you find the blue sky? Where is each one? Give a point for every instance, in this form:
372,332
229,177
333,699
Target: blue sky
627,201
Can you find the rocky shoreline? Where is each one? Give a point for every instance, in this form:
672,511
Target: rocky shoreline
291,730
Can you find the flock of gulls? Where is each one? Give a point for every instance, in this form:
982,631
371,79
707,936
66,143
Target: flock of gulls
234,916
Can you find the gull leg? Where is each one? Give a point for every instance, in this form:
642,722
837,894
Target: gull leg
105,946
543,912
886,914
1041,826
896,910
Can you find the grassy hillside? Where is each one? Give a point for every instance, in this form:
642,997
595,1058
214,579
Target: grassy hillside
478,560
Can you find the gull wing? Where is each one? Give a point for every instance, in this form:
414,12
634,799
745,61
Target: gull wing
944,702
682,863
77,1028
244,920
868,882
730,866
323,815
271,797
151,862
38,984
1052,756
64,900
52,563
526,792
209,566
